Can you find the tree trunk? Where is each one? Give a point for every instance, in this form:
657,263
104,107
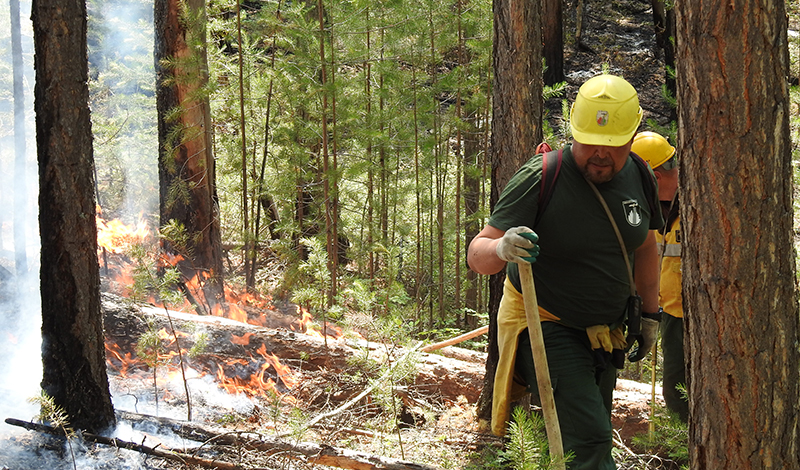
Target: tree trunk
739,266
73,353
249,237
186,172
516,128
665,30
553,38
472,148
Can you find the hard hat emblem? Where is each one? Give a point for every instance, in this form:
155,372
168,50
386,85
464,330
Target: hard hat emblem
602,118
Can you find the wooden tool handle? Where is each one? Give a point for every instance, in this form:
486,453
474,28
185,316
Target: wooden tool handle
540,362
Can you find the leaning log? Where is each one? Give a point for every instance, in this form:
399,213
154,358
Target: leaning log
227,339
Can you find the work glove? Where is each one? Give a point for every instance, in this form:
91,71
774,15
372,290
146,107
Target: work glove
518,245
600,337
645,340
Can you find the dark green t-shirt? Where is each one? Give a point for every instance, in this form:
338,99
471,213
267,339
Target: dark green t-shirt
580,274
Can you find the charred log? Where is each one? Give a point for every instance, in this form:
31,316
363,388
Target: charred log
228,340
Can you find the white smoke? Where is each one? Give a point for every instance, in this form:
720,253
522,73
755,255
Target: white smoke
20,310
127,23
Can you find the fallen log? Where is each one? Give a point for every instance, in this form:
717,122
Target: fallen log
458,339
318,454
171,455
231,340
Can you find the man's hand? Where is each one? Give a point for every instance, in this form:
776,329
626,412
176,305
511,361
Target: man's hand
645,340
518,245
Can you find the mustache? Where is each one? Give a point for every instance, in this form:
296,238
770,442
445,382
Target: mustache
598,160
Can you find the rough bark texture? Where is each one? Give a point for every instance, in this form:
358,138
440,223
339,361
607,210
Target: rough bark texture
553,38
739,266
186,173
73,353
516,127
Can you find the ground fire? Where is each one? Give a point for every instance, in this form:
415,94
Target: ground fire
259,375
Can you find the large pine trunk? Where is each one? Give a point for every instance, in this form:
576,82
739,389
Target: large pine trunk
73,354
516,128
738,260
186,171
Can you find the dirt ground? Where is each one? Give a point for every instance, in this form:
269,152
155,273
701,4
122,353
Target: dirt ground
620,39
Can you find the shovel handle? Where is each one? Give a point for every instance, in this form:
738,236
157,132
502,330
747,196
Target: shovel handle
540,362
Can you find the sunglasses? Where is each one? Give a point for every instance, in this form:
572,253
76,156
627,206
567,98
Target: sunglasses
669,164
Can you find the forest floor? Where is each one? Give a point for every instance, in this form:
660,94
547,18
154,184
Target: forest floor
618,38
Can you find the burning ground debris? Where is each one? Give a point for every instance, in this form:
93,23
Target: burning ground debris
278,380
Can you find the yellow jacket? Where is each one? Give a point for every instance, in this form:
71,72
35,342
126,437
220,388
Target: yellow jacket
670,297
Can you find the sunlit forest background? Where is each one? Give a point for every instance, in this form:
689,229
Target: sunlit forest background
404,90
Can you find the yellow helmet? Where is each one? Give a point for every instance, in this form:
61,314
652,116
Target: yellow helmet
605,112
653,148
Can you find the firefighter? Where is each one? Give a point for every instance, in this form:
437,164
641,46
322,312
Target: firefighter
656,150
581,277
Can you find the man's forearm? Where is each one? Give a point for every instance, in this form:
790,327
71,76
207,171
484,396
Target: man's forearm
646,273
482,252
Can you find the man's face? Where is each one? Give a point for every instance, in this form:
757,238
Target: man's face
600,163
667,183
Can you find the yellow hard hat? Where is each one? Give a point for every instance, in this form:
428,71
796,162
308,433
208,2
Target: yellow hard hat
653,148
605,112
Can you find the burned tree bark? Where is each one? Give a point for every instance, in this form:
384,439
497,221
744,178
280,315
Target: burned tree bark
186,173
73,353
738,261
516,128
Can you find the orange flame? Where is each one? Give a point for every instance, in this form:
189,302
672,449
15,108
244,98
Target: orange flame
117,237
285,374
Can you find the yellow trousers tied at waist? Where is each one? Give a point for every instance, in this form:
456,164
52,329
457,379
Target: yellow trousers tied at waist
511,321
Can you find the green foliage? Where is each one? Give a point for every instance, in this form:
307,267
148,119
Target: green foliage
179,239
149,348
122,100
54,415
670,131
670,436
527,447
199,346
668,97
147,281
